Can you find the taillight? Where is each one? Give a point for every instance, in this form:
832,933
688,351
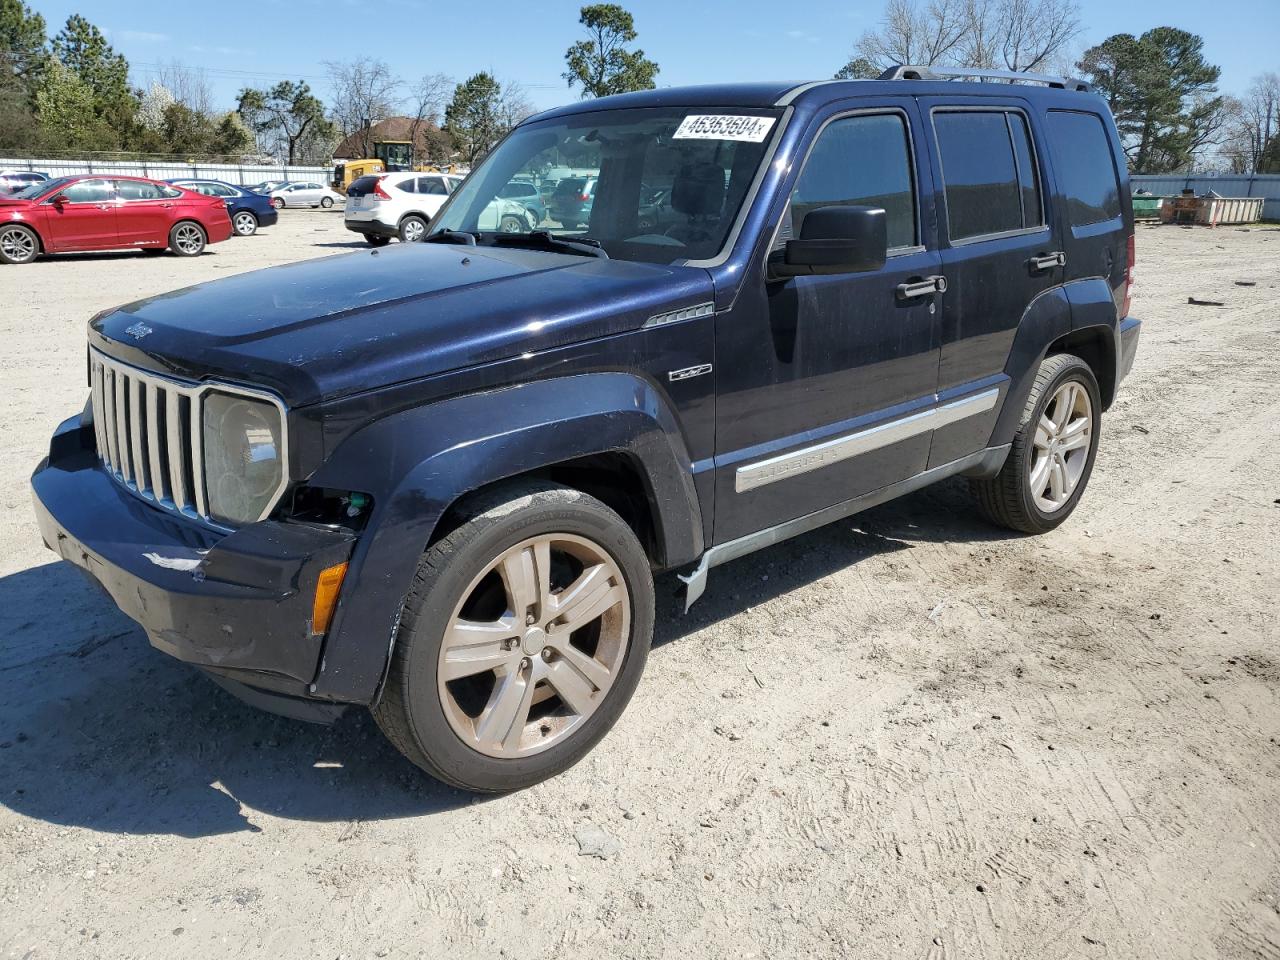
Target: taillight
1128,282
378,191
584,197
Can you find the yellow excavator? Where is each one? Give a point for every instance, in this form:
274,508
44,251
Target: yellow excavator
348,171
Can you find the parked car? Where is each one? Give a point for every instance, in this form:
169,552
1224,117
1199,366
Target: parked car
266,186
401,205
108,213
438,482
525,193
12,181
248,210
305,194
570,203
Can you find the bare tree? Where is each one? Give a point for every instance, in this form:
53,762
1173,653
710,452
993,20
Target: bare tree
427,100
514,104
1018,35
1253,123
365,92
189,86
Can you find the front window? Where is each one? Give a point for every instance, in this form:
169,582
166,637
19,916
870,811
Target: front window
653,184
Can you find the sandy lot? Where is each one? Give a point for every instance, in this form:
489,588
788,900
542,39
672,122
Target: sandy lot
906,735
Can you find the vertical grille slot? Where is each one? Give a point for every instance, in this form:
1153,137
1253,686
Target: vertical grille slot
148,431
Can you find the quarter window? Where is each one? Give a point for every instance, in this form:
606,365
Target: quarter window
1085,169
988,172
859,161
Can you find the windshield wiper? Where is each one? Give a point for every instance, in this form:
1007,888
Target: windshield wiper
463,237
545,238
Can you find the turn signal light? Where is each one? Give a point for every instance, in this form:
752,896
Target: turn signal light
327,588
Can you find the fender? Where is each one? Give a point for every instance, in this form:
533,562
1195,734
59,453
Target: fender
418,462
1080,310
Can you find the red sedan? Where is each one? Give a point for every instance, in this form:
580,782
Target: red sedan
108,213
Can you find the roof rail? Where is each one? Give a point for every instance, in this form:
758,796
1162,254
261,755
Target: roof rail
904,72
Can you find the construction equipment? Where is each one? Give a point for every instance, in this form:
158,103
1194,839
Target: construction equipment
348,171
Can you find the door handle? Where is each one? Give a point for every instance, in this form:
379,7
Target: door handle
922,288
166,204
1048,261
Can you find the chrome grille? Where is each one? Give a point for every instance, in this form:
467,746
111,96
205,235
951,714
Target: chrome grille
148,430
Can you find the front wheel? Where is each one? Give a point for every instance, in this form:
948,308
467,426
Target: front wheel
245,224
1052,454
511,224
326,202
522,639
187,239
18,244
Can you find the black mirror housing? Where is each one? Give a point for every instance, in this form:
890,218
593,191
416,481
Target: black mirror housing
837,239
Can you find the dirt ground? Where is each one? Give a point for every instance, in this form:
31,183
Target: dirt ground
906,735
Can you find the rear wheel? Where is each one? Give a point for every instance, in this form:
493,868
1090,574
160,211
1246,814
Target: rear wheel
18,244
376,241
187,239
278,202
522,639
326,202
413,229
1052,454
245,224
511,224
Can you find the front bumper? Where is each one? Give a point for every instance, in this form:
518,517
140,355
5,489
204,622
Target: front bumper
236,604
1130,331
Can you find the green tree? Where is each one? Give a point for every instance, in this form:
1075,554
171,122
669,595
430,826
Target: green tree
231,138
23,47
602,64
68,111
474,116
859,68
288,115
1161,91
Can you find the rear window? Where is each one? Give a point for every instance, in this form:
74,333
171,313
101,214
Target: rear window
570,185
1085,167
979,173
362,186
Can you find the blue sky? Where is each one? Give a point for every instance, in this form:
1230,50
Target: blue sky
253,42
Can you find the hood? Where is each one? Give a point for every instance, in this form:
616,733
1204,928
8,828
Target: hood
331,327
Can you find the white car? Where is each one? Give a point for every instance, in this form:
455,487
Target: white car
15,181
386,205
304,194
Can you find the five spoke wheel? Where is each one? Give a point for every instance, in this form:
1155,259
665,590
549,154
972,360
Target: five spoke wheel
1061,446
534,646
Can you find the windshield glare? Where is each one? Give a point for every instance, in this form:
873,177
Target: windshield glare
644,183
34,190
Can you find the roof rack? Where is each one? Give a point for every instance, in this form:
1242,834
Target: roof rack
904,72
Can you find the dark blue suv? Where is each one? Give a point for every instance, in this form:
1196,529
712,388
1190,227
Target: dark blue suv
437,480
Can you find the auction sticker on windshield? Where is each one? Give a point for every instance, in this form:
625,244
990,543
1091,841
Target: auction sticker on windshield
721,127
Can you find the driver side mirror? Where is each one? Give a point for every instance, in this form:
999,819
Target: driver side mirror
60,199
835,239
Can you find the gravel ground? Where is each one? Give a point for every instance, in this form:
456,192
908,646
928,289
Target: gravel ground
907,734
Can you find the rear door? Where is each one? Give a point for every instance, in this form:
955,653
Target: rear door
86,221
144,213
1000,249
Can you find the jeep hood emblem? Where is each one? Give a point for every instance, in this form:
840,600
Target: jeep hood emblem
138,330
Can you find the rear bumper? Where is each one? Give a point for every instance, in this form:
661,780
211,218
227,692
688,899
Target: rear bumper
268,217
372,228
1130,331
235,604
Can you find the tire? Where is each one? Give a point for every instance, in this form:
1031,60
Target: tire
18,244
188,239
413,229
1052,455
451,728
376,241
278,202
326,202
244,223
511,224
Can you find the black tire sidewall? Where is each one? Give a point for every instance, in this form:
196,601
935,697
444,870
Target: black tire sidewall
457,761
252,216
35,250
1024,447
326,202
204,239
405,222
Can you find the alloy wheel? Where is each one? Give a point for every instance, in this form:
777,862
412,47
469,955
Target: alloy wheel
246,224
1061,446
18,246
414,230
534,646
188,238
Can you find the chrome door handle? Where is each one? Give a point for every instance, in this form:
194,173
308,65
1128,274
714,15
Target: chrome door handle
1048,261
922,288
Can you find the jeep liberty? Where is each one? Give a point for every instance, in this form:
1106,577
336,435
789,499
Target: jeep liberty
436,479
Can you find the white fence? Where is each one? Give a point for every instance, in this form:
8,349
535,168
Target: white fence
1265,185
245,174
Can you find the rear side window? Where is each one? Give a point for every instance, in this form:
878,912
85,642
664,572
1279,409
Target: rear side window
431,185
860,161
1085,168
980,173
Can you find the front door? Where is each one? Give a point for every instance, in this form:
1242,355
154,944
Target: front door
86,220
826,384
999,250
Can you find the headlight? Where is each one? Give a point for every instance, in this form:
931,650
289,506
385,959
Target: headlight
243,462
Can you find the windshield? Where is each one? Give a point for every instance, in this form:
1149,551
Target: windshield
653,184
39,188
